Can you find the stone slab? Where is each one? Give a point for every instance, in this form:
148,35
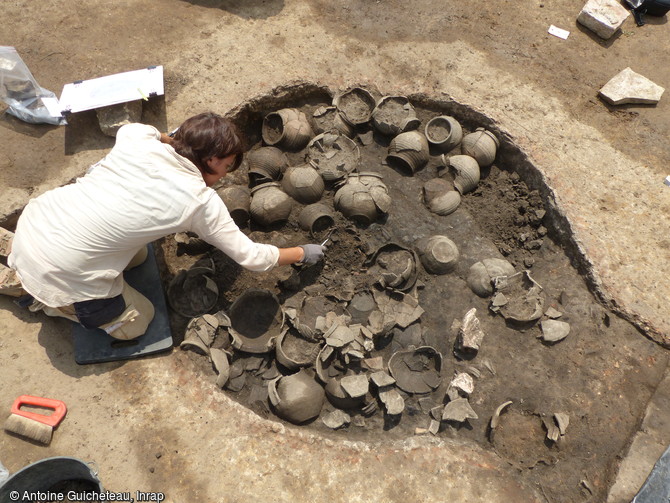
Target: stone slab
630,87
603,17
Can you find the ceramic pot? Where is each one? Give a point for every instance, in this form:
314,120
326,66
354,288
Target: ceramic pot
256,320
193,292
266,163
482,145
316,218
445,203
362,200
408,152
333,155
303,183
287,128
355,105
237,199
394,115
466,172
435,187
481,275
329,120
438,254
296,398
444,133
269,204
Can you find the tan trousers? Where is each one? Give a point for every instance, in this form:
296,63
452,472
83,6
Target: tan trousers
130,324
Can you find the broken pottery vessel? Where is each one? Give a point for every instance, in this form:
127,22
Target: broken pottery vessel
395,265
416,370
355,105
316,218
329,120
266,164
293,352
256,320
394,115
408,152
481,274
524,298
466,172
192,292
333,156
363,198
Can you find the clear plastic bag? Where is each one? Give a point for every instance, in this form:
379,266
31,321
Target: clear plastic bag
20,90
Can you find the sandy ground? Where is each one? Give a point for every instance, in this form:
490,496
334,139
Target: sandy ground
155,425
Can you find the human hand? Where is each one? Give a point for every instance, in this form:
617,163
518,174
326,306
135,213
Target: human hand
313,254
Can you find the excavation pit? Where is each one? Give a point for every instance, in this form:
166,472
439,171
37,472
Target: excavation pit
593,375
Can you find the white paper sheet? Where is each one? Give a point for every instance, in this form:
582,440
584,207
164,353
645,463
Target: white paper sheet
558,32
112,89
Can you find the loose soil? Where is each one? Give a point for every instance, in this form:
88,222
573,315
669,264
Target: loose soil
601,375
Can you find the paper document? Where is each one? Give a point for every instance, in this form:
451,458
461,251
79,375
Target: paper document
558,32
112,89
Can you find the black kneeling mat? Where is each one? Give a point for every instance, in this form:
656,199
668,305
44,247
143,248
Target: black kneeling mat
95,346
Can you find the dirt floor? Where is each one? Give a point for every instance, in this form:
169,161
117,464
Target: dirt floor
596,170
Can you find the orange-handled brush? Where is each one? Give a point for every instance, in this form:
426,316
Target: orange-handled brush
33,425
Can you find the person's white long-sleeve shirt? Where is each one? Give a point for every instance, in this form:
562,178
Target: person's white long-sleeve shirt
72,243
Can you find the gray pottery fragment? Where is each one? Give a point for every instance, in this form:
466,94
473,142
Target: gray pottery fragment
416,370
340,398
458,410
355,105
495,419
631,87
444,133
220,361
525,298
554,330
481,275
336,419
393,402
553,433
463,382
397,310
360,307
200,333
394,115
375,364
381,379
438,254
287,128
257,319
356,385
434,427
340,336
192,292
482,145
553,313
296,398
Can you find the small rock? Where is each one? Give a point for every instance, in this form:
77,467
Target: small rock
336,419
554,330
458,410
420,431
152,469
158,455
355,385
553,433
562,420
631,87
603,17
381,379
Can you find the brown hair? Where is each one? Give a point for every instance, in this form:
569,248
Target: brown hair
208,135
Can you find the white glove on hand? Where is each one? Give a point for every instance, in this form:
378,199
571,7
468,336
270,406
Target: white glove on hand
313,254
